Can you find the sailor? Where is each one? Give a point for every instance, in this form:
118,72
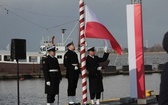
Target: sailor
95,74
72,72
52,75
163,94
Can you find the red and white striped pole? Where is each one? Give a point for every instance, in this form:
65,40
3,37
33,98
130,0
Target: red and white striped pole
82,50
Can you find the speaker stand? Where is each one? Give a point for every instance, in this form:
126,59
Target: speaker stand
18,81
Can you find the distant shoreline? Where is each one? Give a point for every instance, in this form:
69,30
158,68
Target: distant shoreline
144,53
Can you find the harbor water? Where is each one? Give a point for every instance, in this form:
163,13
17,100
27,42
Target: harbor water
153,59
32,91
115,86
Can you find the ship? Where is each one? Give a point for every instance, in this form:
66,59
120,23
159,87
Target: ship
32,65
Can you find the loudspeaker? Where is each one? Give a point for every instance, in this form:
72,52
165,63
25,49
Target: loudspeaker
18,49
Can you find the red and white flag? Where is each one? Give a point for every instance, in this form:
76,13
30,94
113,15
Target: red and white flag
135,51
95,29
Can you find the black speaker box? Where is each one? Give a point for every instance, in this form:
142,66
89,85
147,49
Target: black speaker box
18,49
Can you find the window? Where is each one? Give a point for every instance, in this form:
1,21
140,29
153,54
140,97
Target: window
59,56
22,60
32,59
7,58
43,49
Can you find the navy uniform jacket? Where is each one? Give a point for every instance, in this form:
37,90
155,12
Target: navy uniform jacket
70,58
95,76
163,96
54,77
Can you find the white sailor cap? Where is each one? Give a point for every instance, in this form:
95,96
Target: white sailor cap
51,48
71,43
91,49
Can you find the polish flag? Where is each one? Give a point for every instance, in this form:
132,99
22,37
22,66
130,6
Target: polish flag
135,51
95,29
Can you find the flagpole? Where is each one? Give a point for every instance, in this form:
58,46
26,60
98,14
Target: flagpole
135,47
82,50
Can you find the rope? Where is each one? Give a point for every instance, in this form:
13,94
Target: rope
70,33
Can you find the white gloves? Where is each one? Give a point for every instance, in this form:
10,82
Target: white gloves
99,68
105,49
76,67
48,83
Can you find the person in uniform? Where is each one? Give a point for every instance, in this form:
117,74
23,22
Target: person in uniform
95,74
72,72
163,94
52,75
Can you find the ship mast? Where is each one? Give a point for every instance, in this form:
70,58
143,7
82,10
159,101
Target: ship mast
63,32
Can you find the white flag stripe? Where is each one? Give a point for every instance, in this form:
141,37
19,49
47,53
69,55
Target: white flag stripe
131,50
107,43
90,16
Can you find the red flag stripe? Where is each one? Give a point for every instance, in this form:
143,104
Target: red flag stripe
139,51
97,30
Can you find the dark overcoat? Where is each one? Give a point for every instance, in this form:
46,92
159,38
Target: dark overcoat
54,77
95,76
163,95
71,58
72,75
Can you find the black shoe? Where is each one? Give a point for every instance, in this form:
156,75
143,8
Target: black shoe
71,104
77,104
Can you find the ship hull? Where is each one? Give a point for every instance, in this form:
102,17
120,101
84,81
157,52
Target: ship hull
29,70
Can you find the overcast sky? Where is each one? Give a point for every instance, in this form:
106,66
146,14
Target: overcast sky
30,19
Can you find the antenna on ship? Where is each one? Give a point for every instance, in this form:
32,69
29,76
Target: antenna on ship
63,32
136,1
146,43
8,47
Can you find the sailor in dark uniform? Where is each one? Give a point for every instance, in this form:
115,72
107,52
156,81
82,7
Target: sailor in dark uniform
95,74
163,95
72,74
52,75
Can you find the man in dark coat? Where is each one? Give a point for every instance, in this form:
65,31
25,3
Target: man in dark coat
52,75
72,74
163,95
95,74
